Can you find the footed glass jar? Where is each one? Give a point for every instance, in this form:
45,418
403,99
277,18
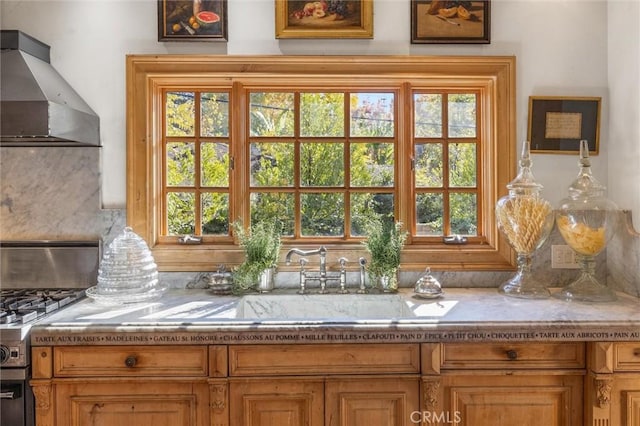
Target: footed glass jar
526,220
586,220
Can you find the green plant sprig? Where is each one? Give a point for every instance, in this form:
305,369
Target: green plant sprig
261,244
384,243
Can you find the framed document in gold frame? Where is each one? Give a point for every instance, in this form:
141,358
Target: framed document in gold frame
557,124
324,19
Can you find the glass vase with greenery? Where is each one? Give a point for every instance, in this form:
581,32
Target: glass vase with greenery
384,243
261,244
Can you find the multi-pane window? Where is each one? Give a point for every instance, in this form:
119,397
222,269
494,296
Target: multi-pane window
321,162
196,163
320,144
445,145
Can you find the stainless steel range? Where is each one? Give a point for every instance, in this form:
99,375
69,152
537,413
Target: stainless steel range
36,279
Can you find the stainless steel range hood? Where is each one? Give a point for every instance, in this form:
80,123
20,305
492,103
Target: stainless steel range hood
37,106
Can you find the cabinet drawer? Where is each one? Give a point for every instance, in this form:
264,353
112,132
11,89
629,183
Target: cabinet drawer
76,361
270,360
513,355
626,356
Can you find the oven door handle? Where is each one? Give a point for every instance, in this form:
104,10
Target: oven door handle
11,392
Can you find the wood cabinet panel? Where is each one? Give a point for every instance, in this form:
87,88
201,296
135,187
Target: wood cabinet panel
376,401
131,403
625,400
513,355
112,361
473,384
523,400
276,402
613,386
269,360
626,356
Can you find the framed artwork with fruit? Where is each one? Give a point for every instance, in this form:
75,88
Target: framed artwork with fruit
445,21
189,20
324,19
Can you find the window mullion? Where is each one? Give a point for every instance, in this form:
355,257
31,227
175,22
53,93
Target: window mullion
197,189
446,196
347,160
239,148
297,185
164,225
405,204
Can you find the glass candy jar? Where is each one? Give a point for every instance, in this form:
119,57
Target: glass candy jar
526,220
586,220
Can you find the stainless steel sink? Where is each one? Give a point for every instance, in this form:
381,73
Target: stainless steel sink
323,306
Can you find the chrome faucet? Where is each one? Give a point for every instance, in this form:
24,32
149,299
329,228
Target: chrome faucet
322,252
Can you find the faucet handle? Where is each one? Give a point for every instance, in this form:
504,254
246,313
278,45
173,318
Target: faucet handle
303,276
343,275
343,262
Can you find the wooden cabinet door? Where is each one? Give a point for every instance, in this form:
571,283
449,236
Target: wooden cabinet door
523,399
375,401
625,400
128,402
276,402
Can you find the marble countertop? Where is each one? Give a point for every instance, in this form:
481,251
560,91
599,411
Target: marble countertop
199,317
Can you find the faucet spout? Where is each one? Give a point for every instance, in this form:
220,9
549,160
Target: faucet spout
322,251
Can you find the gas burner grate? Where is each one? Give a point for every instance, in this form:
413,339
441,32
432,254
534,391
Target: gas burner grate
21,306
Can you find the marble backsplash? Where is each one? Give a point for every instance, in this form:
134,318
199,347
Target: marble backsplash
54,193
623,257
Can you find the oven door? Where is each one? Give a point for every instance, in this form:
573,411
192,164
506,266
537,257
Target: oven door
16,398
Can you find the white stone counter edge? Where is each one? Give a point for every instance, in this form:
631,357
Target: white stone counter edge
463,315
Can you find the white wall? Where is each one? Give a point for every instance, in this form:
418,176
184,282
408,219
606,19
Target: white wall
624,112
560,45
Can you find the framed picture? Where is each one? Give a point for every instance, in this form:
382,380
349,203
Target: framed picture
324,19
440,22
192,20
557,124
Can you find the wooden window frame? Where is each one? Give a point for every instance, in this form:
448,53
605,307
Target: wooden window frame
147,75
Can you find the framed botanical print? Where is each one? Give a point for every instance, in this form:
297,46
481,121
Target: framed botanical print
192,20
324,19
441,22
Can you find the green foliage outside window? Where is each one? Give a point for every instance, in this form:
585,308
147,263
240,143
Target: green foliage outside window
321,185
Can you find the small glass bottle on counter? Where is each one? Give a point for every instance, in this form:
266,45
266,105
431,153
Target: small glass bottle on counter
526,220
586,220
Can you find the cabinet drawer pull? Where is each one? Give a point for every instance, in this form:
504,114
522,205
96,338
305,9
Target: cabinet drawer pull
512,355
636,352
130,361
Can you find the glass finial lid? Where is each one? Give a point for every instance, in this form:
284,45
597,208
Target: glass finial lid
586,220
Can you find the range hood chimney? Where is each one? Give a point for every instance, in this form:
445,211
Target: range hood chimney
37,106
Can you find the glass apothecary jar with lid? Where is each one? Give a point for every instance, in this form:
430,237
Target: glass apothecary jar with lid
525,219
586,220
